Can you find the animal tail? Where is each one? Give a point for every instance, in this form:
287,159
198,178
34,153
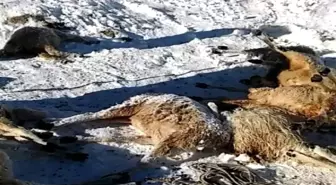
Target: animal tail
123,110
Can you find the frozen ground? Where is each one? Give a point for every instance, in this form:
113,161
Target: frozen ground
169,53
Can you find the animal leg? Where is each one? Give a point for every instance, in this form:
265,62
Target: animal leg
173,145
20,132
303,158
121,111
324,153
142,140
161,149
18,138
169,148
262,36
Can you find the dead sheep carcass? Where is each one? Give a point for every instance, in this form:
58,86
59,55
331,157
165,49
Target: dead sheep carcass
177,122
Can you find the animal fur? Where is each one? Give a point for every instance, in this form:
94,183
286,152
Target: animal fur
276,61
293,66
45,42
309,102
267,132
171,122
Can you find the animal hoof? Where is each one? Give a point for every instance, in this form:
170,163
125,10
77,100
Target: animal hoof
316,78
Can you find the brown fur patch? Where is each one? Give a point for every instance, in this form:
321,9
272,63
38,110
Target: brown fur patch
310,102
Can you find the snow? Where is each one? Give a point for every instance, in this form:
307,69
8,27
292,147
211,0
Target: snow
169,54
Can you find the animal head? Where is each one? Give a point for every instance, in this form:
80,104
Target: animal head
300,65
